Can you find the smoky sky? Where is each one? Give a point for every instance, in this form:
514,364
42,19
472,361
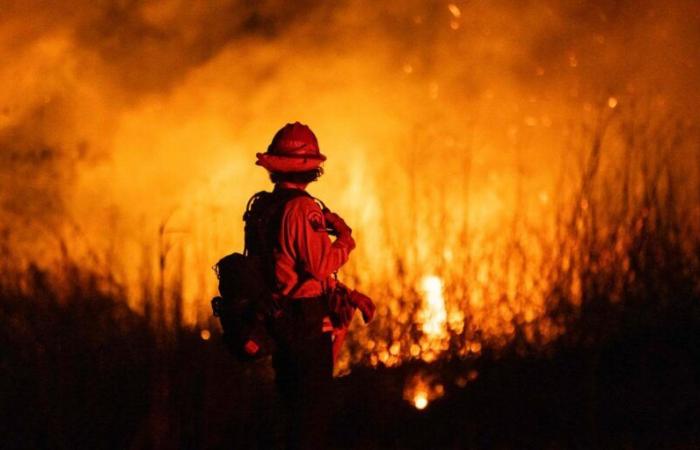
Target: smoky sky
149,45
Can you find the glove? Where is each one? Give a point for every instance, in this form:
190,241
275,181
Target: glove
364,304
337,223
340,229
341,305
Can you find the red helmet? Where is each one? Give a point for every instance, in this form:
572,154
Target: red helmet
293,149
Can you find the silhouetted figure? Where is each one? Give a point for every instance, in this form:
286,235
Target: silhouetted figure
296,246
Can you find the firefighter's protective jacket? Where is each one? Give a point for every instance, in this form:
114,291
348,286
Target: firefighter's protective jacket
306,249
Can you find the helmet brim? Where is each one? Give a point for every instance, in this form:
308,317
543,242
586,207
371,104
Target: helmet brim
287,164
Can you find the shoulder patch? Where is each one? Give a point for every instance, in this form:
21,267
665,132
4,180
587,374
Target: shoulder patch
315,218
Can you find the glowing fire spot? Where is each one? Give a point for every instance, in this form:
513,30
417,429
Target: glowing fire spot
612,102
205,335
420,401
454,10
421,389
433,314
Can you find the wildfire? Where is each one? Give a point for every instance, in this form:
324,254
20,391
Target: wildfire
138,153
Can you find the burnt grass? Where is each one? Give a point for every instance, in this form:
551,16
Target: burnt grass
86,372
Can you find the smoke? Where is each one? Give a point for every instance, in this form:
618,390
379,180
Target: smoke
119,116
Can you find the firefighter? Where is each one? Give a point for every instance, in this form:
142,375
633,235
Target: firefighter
303,258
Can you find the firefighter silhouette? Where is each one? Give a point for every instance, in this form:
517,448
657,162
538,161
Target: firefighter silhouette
302,259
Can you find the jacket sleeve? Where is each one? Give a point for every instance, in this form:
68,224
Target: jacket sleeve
304,235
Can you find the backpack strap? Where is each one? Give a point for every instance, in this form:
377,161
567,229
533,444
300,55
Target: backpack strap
263,211
248,216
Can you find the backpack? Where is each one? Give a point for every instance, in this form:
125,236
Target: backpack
247,282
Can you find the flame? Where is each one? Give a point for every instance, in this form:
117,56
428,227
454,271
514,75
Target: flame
420,400
422,388
434,315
